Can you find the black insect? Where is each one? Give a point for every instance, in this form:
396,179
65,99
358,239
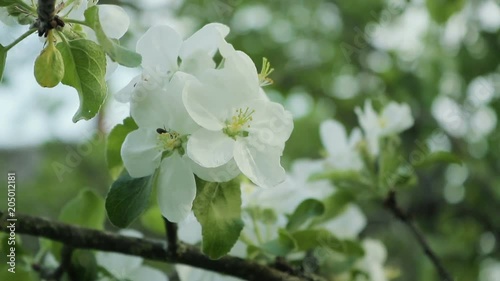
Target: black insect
47,16
161,131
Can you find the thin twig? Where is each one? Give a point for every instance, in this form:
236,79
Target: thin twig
84,238
172,241
391,204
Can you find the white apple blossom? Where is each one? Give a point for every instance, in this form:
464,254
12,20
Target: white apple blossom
373,261
394,119
159,144
342,153
238,121
124,267
161,48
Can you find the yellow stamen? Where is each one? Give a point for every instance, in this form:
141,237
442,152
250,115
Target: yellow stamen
264,73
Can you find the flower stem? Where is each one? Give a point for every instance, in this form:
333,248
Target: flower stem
77,22
21,38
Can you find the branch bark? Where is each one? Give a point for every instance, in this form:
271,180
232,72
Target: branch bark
83,238
391,204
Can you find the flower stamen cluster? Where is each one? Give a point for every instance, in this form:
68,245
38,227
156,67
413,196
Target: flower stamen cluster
236,126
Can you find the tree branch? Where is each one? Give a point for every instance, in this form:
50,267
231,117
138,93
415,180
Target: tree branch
390,203
83,238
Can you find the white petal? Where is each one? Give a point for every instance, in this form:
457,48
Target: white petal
205,40
176,188
152,108
398,118
203,105
348,224
111,66
159,47
333,136
114,20
139,152
190,229
125,94
210,148
197,64
355,138
222,173
147,273
260,164
271,125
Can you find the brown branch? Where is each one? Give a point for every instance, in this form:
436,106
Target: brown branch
172,240
83,238
391,204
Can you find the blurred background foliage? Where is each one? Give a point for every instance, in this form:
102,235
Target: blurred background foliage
440,57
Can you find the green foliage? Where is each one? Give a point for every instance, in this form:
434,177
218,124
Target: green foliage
49,66
334,205
281,246
114,145
439,157
86,209
84,266
84,70
304,213
442,10
217,207
5,3
128,198
116,52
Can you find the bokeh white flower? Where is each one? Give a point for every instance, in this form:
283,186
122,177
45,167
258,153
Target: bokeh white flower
394,119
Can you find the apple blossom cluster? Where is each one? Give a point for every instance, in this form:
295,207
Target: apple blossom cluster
200,117
343,151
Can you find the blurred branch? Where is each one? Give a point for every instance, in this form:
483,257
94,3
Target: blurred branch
57,274
84,238
390,203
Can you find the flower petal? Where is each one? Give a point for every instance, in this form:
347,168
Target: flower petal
398,118
159,47
222,173
119,265
271,125
163,108
114,20
125,95
333,136
206,40
210,148
140,153
261,165
201,104
176,188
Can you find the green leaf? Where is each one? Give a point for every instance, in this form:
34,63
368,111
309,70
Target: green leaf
313,238
84,70
334,205
152,220
3,58
128,198
281,246
115,52
217,207
438,158
86,210
114,145
307,210
49,67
